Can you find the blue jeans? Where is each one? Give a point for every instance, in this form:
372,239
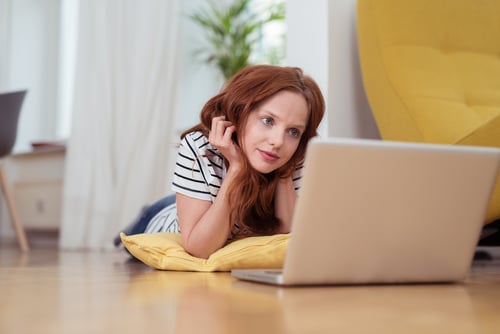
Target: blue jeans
147,213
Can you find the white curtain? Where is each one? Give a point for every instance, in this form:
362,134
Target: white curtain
120,151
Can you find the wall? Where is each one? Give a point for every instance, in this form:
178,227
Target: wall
199,82
31,55
322,40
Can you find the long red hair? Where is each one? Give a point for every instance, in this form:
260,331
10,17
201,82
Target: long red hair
251,195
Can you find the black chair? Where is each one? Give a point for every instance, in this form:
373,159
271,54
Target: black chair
10,108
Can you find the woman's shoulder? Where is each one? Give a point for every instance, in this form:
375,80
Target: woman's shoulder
195,141
195,137
198,144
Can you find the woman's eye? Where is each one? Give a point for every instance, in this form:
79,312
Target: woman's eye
294,132
267,120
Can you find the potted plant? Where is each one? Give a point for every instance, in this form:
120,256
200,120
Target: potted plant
232,32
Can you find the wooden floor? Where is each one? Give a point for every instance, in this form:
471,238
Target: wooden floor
103,292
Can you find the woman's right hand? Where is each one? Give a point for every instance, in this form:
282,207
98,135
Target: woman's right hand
221,137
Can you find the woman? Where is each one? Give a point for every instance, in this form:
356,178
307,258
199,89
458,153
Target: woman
238,170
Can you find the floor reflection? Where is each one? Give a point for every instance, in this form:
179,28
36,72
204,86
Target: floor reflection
208,303
378,309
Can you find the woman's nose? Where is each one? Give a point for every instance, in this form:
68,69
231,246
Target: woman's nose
276,138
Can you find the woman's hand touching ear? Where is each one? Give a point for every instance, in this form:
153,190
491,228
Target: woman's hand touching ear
221,137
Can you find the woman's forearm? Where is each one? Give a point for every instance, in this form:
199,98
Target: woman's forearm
211,231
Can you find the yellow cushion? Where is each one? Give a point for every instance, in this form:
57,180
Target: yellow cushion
164,251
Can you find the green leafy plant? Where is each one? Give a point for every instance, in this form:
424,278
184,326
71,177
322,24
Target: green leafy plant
232,32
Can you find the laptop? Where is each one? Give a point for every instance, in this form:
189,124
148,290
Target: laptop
382,212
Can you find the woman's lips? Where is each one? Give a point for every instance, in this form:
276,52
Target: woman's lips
268,156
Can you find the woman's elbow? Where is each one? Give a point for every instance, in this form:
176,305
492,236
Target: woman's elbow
193,248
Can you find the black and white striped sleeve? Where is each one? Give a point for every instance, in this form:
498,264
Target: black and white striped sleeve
190,177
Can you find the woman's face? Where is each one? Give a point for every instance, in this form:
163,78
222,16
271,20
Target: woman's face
273,130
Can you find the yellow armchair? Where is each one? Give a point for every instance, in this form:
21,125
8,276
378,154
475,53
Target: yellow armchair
431,71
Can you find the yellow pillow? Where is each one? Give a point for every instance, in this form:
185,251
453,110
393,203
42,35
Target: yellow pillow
164,251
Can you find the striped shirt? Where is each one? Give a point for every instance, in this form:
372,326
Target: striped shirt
198,173
199,169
